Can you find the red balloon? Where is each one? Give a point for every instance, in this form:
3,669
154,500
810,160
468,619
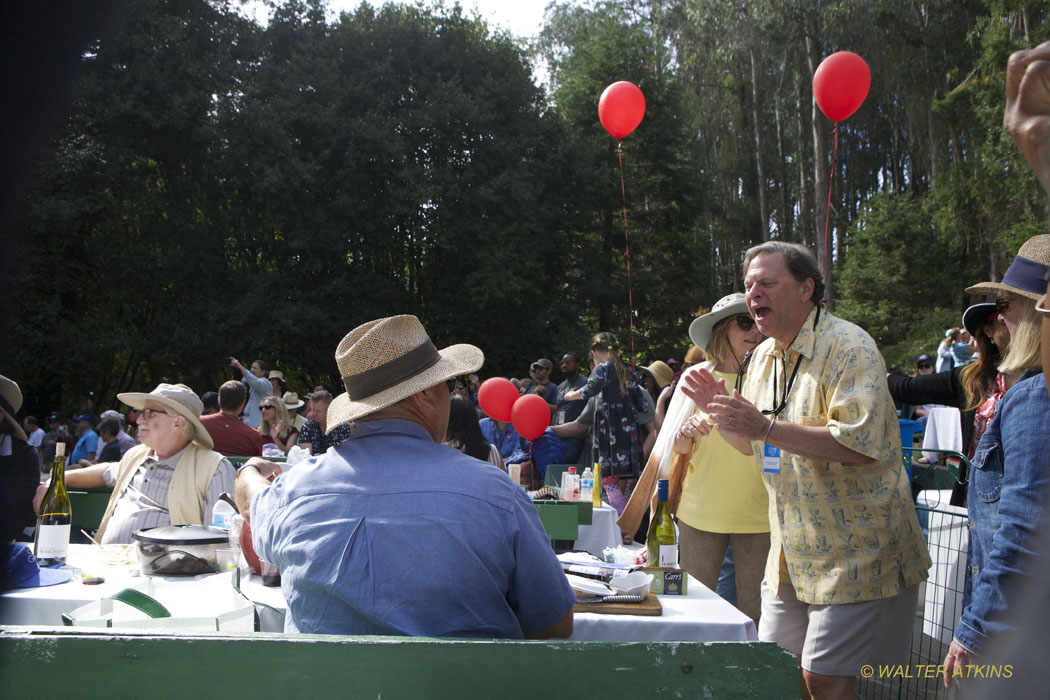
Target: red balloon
530,415
621,108
496,396
840,84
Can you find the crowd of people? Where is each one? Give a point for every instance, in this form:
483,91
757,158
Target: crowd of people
779,436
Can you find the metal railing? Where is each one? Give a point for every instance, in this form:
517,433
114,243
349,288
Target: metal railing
940,597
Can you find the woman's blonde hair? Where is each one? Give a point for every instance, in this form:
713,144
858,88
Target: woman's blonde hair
282,417
1023,353
606,342
719,349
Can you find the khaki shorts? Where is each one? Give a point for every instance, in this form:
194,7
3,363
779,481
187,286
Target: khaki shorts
836,640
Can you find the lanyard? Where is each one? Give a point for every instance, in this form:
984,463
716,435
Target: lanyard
780,405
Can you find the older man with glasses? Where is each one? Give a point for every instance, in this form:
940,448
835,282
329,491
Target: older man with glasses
173,478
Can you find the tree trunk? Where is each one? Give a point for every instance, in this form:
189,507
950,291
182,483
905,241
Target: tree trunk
786,217
763,208
820,175
805,204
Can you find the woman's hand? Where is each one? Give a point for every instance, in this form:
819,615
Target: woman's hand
957,658
695,427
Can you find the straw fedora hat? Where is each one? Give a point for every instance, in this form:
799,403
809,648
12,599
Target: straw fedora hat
181,399
276,374
292,400
10,402
1026,273
662,373
700,328
387,360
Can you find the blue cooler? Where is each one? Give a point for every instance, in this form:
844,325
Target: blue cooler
908,430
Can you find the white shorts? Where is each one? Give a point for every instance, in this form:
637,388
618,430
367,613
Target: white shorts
836,640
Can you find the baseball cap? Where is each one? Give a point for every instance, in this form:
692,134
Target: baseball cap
22,571
924,358
83,416
542,362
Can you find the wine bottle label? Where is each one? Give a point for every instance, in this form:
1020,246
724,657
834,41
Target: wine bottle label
668,555
52,541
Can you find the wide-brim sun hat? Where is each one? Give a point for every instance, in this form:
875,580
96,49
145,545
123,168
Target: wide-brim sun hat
662,373
10,402
389,359
701,327
1026,274
181,399
292,401
977,314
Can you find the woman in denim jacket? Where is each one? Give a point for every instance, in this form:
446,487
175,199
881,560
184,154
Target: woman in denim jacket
1010,479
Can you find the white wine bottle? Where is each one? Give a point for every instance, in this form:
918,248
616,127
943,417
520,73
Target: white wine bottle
52,525
662,540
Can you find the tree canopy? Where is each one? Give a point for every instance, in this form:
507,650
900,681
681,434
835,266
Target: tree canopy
223,188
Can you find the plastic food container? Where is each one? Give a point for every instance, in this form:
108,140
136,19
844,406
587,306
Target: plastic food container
180,550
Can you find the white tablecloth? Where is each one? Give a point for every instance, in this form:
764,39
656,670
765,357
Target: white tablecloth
699,616
948,544
601,533
943,432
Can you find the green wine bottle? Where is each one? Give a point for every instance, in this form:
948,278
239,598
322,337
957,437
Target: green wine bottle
52,525
662,540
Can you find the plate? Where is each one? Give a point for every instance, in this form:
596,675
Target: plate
588,586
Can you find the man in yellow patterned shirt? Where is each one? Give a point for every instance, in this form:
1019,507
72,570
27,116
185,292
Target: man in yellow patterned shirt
846,553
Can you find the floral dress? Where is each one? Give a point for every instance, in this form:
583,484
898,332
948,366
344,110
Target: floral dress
617,443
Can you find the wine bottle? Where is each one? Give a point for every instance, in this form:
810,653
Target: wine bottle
662,540
52,525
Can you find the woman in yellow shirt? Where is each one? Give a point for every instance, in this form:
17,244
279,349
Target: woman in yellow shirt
723,495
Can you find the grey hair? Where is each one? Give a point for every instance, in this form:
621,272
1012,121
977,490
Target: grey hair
113,414
800,261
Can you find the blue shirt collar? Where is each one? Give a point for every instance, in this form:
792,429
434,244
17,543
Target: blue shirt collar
387,426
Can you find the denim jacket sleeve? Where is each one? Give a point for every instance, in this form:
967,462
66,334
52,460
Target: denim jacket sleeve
1008,508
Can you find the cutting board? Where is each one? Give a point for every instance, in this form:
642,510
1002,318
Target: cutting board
649,606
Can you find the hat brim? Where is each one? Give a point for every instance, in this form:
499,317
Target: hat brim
974,316
294,406
138,400
16,429
701,327
997,288
455,360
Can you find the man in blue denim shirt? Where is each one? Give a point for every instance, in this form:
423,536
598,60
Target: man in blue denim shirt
392,532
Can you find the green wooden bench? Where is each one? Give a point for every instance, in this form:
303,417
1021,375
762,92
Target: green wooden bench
296,667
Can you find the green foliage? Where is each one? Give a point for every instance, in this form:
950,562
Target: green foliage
222,188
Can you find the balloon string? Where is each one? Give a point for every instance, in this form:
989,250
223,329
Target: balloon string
627,252
827,213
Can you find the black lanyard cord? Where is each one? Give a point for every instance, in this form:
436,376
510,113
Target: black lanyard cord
779,406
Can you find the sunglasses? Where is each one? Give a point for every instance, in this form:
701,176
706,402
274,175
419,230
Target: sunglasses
1002,303
265,406
924,365
148,413
744,323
